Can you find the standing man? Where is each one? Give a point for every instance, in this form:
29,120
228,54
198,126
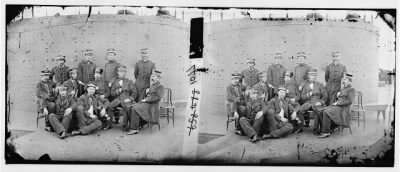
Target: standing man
125,93
102,93
333,75
279,113
143,71
276,71
75,87
252,118
88,107
86,67
60,72
315,97
111,67
339,111
301,70
235,99
45,93
264,89
250,75
64,107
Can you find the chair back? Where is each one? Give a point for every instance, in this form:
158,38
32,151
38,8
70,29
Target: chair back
166,99
358,102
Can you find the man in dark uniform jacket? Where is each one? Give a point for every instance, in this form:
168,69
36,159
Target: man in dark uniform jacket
88,110
250,75
278,115
46,95
60,72
264,89
65,107
111,67
102,93
125,93
301,70
86,67
143,71
75,87
293,97
333,75
251,118
235,98
148,108
276,71
315,96
339,111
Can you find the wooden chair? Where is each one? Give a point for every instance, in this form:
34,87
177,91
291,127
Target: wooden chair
39,114
229,116
357,107
167,104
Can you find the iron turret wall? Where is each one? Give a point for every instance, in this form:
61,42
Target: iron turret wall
33,44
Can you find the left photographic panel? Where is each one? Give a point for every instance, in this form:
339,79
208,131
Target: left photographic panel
96,83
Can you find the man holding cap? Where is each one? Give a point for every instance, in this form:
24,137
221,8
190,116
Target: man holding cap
276,71
333,75
143,71
315,97
75,87
301,70
148,108
250,75
60,72
86,67
279,113
102,93
125,93
235,99
46,95
60,120
339,111
87,110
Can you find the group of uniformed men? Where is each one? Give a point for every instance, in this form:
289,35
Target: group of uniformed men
276,102
79,101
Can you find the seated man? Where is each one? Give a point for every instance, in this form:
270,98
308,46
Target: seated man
339,111
252,118
45,92
293,96
264,89
235,100
61,118
148,108
102,93
88,106
278,115
74,86
125,93
314,94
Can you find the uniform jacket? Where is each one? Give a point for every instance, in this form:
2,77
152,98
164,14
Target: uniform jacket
266,89
275,75
74,85
150,110
235,96
250,77
86,71
110,71
288,108
129,90
60,74
300,73
63,103
102,88
293,90
86,101
334,73
341,113
45,93
319,93
143,71
252,108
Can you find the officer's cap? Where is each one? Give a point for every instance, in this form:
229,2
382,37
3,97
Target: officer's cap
122,68
98,70
301,54
88,52
73,70
91,84
312,72
111,50
251,60
283,88
60,57
45,72
236,75
144,51
61,87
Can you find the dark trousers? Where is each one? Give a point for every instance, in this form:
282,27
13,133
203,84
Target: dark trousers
318,120
60,123
51,108
242,112
104,119
85,123
133,119
326,123
251,127
276,128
